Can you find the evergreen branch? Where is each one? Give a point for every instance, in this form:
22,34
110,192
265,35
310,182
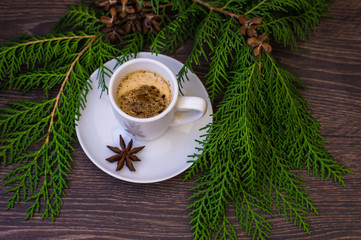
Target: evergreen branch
133,44
21,127
172,36
212,8
17,55
293,212
79,17
200,214
50,124
204,36
64,82
56,39
43,78
271,7
289,28
258,5
21,114
294,185
300,131
104,51
249,209
226,230
156,4
290,197
181,6
227,42
234,149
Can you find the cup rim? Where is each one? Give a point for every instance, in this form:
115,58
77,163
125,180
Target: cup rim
174,91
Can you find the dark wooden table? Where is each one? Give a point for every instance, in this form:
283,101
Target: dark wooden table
99,206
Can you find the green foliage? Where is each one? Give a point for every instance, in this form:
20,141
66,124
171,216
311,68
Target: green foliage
36,136
287,21
179,29
222,54
295,130
236,150
261,131
33,50
155,4
133,44
262,128
250,148
79,17
204,34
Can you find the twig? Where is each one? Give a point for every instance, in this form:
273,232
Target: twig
60,38
212,8
165,5
64,82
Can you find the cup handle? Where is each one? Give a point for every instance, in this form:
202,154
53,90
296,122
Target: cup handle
188,109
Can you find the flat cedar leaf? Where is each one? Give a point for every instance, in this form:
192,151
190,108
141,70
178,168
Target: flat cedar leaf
79,17
249,213
204,34
179,29
221,55
226,230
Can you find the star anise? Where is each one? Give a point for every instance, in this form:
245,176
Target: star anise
126,154
248,26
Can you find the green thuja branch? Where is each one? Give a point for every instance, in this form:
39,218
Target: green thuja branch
36,136
21,125
295,129
262,128
251,211
173,35
203,36
235,149
226,230
226,45
79,17
28,53
132,45
297,24
43,78
40,174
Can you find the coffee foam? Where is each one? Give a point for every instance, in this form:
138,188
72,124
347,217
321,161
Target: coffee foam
143,94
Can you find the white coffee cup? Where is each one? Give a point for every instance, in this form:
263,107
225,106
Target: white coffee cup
181,110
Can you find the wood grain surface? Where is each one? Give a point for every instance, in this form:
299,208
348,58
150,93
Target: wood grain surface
99,206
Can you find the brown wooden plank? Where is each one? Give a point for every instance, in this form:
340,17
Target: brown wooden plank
101,207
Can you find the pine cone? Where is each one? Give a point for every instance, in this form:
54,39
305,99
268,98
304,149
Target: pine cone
114,34
128,16
151,20
110,21
106,3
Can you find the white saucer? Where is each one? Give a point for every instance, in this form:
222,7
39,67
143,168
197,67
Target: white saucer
162,158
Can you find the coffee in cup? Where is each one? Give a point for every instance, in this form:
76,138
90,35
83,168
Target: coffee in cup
171,110
143,94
